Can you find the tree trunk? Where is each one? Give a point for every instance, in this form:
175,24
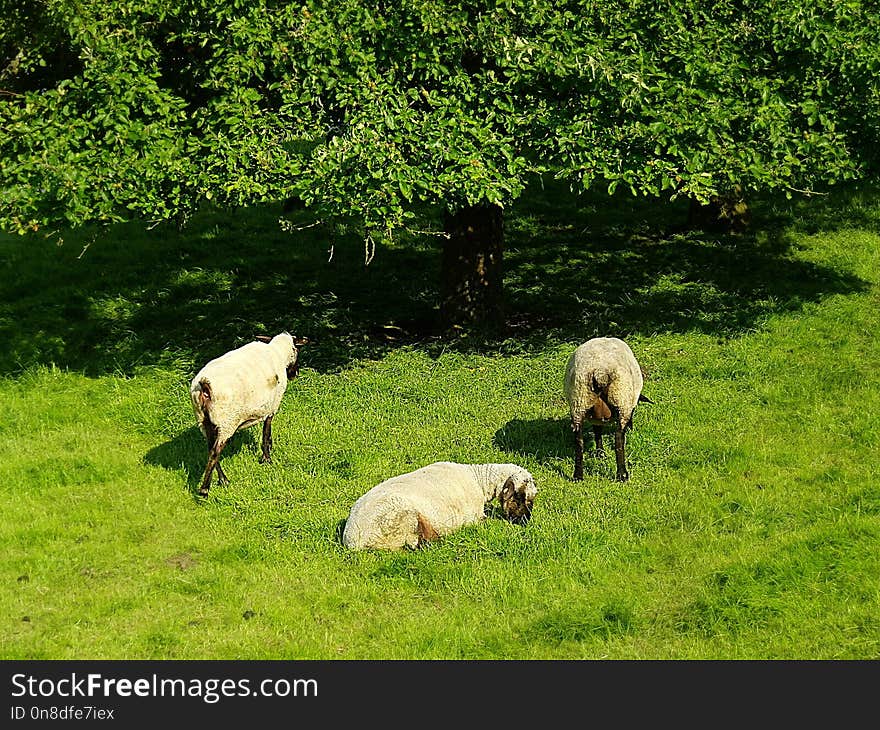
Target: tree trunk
727,213
472,283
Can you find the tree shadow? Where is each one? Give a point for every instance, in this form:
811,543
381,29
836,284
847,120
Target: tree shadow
594,265
836,208
188,451
116,300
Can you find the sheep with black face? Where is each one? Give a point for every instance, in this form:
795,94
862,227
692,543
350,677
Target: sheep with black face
412,509
240,389
603,386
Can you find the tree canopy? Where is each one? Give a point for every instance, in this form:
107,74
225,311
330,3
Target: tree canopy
366,111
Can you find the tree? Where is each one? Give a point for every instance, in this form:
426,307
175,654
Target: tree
713,100
369,113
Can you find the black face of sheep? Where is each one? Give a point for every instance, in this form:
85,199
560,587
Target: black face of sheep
292,368
517,500
240,389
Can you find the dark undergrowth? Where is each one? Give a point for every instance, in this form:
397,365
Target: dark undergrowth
113,300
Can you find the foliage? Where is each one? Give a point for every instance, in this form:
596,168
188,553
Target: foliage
702,97
365,112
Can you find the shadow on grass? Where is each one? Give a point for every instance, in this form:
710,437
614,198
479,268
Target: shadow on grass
132,298
188,451
547,440
575,268
611,269
541,438
579,625
550,441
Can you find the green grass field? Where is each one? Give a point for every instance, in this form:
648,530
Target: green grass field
749,528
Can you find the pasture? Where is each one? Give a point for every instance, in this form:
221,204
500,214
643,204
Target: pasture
749,528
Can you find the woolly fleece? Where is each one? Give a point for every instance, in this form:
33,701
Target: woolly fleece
445,494
599,364
246,385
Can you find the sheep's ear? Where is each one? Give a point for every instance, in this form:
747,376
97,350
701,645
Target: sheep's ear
645,399
263,338
508,489
300,341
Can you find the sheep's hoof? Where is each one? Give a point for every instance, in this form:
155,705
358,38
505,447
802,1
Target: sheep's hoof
622,476
265,459
222,481
577,477
203,492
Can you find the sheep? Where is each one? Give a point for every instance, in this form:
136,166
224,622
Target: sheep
603,385
412,509
239,389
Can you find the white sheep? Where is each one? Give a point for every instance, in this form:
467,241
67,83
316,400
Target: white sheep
239,389
603,385
414,508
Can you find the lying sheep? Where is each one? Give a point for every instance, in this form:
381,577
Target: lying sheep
414,508
239,389
603,385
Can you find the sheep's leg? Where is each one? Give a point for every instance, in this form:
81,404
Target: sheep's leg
222,479
213,463
266,458
619,444
212,433
209,469
578,453
597,437
425,531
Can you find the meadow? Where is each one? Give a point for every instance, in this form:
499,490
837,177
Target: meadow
749,528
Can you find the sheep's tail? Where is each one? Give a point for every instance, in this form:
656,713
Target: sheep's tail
599,385
601,409
202,395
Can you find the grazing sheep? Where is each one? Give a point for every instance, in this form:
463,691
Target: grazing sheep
422,505
603,385
239,389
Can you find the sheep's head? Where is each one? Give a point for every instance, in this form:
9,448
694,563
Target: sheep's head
293,352
517,497
293,365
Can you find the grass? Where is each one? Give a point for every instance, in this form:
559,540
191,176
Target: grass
749,529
